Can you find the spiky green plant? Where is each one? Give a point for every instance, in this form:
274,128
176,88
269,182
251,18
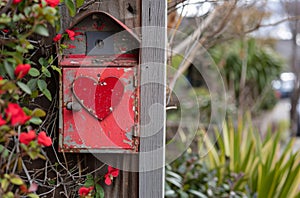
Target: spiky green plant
268,169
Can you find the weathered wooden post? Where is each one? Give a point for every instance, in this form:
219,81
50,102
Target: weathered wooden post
153,81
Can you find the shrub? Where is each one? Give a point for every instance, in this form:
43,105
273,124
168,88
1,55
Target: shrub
239,164
188,176
269,169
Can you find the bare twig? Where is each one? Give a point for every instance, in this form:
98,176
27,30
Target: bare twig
26,172
194,50
290,18
94,171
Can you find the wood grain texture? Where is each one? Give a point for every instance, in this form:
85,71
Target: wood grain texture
152,114
126,184
117,8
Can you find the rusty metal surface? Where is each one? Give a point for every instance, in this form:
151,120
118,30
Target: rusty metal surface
121,38
97,61
99,90
105,122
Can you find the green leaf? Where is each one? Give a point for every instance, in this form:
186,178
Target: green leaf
42,85
46,72
27,111
4,151
38,113
30,46
35,94
33,154
47,93
9,86
16,180
21,49
79,3
197,193
43,61
174,181
35,120
4,184
33,195
27,11
24,87
51,181
5,19
15,96
9,69
15,18
99,191
34,72
89,182
71,7
56,69
41,30
32,84
9,195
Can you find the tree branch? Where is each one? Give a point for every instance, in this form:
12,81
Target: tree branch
194,50
293,18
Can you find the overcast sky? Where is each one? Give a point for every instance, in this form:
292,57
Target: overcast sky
274,6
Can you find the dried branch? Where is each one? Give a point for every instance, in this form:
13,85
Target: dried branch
195,49
291,18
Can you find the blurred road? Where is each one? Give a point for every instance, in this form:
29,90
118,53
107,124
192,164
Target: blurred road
280,113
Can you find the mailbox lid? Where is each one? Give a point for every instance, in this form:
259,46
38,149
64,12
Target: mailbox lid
110,124
96,27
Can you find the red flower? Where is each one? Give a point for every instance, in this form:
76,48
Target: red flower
84,191
112,172
26,138
2,121
21,70
43,139
71,46
16,114
33,187
71,34
57,38
52,3
23,188
16,1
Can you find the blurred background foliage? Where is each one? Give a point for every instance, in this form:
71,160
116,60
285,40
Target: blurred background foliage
261,65
236,160
241,163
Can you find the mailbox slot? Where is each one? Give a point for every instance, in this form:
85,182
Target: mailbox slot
100,43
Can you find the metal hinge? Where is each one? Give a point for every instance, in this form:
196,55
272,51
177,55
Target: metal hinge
135,131
135,81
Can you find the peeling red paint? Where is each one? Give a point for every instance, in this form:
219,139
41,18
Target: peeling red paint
82,127
106,119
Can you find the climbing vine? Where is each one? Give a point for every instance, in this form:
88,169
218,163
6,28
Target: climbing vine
27,64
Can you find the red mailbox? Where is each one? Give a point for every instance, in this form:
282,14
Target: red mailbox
99,93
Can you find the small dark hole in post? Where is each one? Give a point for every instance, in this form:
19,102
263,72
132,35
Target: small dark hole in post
99,43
